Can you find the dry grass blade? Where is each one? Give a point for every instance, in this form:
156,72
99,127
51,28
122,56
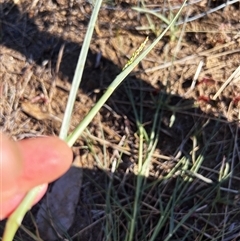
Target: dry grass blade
234,75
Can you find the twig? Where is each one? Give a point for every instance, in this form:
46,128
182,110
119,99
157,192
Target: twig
233,75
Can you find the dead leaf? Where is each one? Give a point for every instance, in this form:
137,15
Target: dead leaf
57,211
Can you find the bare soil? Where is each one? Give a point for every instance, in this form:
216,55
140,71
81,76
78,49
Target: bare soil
40,43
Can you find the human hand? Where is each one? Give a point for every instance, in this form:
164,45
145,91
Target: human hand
29,163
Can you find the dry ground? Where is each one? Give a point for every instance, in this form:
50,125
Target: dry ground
36,77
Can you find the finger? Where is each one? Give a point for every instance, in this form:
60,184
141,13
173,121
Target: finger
45,159
11,166
7,207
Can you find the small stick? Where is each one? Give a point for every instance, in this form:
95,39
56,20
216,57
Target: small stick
236,74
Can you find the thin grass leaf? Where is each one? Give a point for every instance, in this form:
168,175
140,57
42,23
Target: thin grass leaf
15,220
79,71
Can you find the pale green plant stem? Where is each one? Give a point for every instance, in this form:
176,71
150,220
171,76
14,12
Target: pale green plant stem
152,25
15,220
138,187
142,134
79,71
147,11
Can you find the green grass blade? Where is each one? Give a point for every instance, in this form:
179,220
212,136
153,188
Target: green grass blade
79,71
15,220
147,11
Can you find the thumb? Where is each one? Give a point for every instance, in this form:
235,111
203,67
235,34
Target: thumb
11,167
45,159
